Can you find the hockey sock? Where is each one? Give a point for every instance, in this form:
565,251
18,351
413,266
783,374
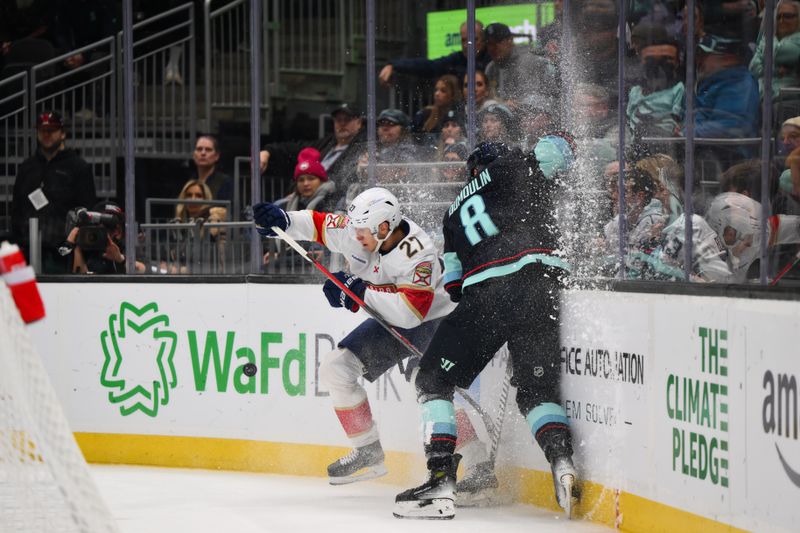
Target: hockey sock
468,444
439,428
550,427
357,423
464,429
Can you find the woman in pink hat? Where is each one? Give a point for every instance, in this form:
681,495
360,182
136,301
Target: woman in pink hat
313,189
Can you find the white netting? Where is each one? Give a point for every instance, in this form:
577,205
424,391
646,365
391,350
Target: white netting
45,484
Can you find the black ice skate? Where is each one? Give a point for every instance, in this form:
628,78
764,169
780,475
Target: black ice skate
479,488
360,464
565,483
433,500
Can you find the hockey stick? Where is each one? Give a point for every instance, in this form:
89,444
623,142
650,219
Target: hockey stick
498,429
786,269
378,318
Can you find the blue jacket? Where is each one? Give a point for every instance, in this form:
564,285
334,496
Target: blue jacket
726,105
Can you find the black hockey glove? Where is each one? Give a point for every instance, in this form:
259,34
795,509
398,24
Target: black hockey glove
338,298
267,215
454,290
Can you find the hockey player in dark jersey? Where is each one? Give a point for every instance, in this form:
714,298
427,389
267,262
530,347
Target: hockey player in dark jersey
503,266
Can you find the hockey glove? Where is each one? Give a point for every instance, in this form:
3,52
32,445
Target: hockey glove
338,298
454,290
267,215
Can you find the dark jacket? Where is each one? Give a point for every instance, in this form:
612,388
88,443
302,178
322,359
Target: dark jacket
455,63
67,182
220,184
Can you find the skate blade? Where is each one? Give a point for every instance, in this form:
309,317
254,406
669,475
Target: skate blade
365,474
490,497
567,481
435,509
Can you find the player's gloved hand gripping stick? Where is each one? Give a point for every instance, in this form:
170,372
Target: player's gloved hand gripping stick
491,427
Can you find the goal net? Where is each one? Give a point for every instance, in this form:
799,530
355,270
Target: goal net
45,484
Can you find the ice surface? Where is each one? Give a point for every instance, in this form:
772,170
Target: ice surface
154,500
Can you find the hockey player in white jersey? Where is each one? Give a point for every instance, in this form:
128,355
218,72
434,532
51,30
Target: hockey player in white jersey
709,256
394,269
737,219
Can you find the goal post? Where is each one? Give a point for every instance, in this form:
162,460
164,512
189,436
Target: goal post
45,484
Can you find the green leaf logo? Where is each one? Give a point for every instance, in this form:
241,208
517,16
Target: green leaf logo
138,385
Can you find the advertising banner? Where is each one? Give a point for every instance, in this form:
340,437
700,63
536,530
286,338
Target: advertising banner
443,27
168,359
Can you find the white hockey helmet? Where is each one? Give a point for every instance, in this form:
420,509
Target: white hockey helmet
736,211
373,207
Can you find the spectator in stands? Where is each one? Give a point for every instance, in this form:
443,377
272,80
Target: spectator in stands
726,101
789,182
206,168
517,72
548,38
394,147
455,63
484,94
313,189
196,189
644,213
498,124
655,105
737,220
429,120
48,184
199,213
741,15
744,178
709,256
537,116
594,26
112,258
595,126
455,153
454,130
786,49
667,174
340,150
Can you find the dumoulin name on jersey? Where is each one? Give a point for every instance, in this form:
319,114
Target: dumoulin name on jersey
502,220
404,285
471,188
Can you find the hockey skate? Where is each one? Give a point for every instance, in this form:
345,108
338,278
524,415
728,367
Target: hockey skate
479,488
360,464
433,500
565,483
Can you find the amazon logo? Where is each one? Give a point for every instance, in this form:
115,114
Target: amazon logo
779,416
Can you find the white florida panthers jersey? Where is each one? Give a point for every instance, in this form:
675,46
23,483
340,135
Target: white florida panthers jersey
404,285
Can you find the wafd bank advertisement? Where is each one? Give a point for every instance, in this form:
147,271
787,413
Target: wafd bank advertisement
170,359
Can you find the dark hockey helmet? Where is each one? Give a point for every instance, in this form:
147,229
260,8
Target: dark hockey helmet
483,154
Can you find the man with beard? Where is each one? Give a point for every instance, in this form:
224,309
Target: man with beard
654,105
48,184
340,151
516,72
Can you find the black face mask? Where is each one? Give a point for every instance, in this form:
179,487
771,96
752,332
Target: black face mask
660,74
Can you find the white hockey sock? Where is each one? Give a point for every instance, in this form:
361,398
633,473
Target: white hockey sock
339,372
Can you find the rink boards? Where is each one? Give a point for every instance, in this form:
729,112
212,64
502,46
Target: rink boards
685,408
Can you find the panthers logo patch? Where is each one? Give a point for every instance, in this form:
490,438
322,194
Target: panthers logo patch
335,221
423,273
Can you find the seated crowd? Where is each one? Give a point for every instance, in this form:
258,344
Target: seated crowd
521,94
